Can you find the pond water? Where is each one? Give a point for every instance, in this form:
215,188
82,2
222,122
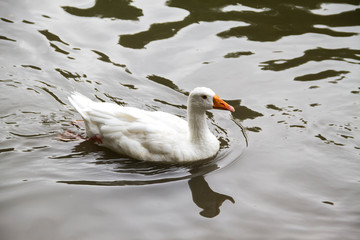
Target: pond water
290,69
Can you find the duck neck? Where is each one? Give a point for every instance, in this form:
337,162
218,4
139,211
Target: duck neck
197,125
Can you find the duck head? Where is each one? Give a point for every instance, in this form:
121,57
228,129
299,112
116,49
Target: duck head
202,99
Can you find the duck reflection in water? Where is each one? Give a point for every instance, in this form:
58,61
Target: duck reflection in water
202,195
205,198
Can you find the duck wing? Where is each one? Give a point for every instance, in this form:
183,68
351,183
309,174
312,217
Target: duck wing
132,131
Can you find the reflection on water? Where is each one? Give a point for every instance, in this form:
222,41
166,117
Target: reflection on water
134,172
317,55
285,18
168,83
322,75
274,21
139,173
205,198
119,9
52,37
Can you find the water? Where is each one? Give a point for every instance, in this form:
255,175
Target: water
290,69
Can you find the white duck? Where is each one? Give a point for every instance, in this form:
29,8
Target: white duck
153,136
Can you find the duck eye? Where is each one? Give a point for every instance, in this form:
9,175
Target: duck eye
204,96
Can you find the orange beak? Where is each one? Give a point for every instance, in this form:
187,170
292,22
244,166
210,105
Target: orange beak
221,104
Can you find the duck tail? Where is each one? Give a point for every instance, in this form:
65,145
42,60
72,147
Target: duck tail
80,103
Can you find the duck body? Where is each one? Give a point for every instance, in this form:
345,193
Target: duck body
150,136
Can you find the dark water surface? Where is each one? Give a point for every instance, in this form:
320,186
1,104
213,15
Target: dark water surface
290,68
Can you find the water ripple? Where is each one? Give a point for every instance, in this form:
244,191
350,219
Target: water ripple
317,55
